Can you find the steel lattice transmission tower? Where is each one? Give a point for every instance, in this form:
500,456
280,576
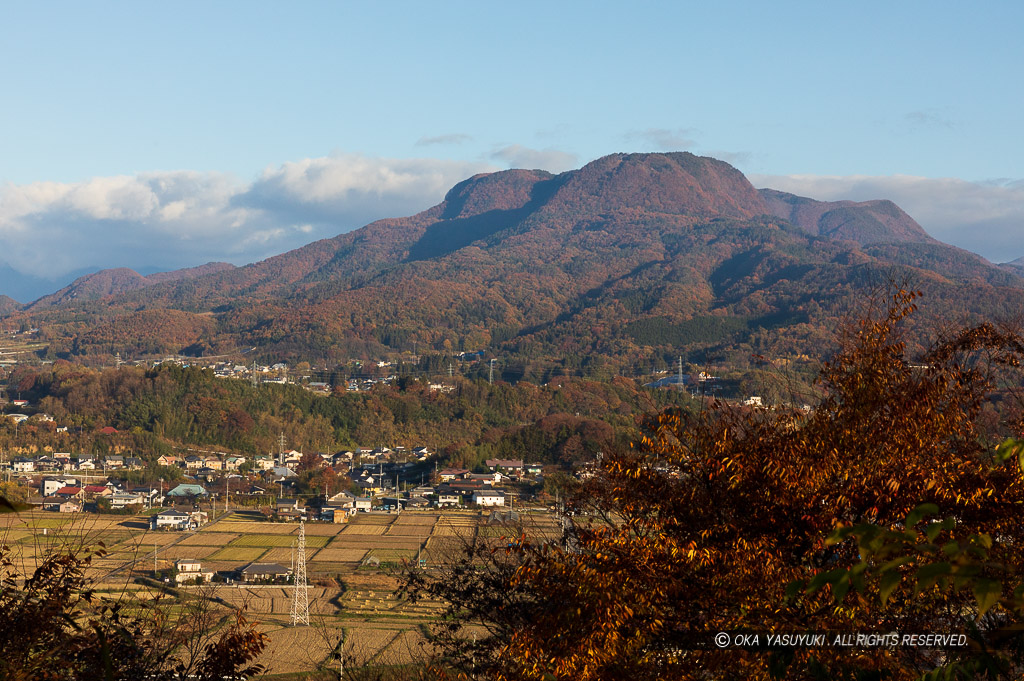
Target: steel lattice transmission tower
300,601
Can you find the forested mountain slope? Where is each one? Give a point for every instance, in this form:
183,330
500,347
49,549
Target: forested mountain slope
632,259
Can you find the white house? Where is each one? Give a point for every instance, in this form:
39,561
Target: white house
50,486
23,465
191,570
489,497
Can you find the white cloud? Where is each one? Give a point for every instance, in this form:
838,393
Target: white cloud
984,217
453,138
182,218
518,156
663,139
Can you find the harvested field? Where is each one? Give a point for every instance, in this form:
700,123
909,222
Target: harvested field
413,518
371,519
409,530
403,648
340,555
179,552
11,536
295,649
443,530
324,530
276,541
366,644
209,539
50,523
374,542
392,555
257,528
281,555
242,554
264,540
440,550
364,530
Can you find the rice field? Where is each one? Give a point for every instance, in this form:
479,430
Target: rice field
242,554
282,556
257,528
371,519
339,555
415,518
419,530
264,540
392,555
365,529
374,542
377,627
209,539
179,552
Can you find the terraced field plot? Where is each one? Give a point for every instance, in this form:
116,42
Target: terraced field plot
209,539
343,542
280,555
365,529
243,554
415,518
178,552
257,528
444,530
416,530
276,540
293,650
440,550
317,530
340,555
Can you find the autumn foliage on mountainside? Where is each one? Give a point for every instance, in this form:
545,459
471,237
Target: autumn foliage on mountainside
704,524
630,259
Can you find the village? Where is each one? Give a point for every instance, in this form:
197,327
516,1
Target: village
375,479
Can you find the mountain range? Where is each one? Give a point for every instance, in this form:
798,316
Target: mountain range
632,259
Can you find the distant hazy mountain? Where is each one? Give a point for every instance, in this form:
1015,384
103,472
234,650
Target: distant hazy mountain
8,305
1015,266
865,222
112,282
631,258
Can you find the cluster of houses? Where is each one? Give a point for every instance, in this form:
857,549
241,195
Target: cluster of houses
68,494
66,462
278,373
379,478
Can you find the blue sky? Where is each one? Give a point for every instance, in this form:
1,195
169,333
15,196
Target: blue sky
163,135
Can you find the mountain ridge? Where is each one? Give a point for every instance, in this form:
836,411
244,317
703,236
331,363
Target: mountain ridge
615,259
118,280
